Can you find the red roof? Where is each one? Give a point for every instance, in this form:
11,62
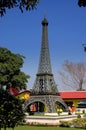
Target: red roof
13,91
73,95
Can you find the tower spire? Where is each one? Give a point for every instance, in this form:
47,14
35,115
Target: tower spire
44,63
45,15
44,79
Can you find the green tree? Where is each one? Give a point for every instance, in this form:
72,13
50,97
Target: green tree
21,4
10,69
11,111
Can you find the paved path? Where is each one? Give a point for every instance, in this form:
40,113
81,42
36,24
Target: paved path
50,120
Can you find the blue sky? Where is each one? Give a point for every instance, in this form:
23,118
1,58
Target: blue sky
21,33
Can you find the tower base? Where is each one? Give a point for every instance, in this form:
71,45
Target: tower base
50,102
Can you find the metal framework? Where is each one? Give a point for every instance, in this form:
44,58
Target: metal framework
44,79
44,89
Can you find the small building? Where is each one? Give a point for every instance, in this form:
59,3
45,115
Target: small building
73,97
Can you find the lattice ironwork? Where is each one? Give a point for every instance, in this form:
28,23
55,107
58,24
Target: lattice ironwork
48,100
44,79
45,89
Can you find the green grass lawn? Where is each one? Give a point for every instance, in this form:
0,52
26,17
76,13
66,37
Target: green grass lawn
41,128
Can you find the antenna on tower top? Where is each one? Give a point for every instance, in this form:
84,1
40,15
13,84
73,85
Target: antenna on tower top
44,14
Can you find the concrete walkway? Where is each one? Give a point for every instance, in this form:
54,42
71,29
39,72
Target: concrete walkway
49,120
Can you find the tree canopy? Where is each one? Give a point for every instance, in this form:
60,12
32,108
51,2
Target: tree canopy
25,4
10,69
82,3
74,75
11,111
21,4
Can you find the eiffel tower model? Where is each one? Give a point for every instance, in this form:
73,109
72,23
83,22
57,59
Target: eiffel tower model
44,92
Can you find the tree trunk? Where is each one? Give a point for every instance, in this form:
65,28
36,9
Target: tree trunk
80,85
12,128
5,128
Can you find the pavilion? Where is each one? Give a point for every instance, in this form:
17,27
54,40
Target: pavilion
73,97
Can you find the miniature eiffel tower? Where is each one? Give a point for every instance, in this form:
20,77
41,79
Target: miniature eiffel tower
44,82
45,90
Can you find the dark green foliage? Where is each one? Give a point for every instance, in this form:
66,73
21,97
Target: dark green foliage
65,123
82,3
21,4
78,116
19,80
11,112
10,69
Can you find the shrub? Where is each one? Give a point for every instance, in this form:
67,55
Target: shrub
78,123
65,123
79,116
